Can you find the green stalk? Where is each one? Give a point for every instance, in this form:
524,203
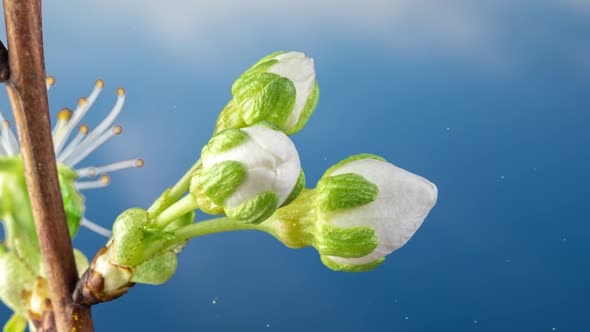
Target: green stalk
173,194
213,226
175,211
183,184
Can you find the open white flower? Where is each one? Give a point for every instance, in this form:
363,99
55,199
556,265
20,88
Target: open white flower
366,192
69,153
281,89
248,172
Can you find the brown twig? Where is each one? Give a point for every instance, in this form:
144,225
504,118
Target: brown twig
28,96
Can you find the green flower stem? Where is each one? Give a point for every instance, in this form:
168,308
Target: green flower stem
213,226
173,194
175,211
182,185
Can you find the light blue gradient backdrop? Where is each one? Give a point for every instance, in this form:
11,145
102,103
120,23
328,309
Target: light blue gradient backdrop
490,100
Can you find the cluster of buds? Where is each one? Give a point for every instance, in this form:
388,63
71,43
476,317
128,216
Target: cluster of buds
249,173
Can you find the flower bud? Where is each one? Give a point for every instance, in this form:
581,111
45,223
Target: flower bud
362,209
367,208
247,173
280,88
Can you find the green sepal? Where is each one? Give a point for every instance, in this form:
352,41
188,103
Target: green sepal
351,159
128,235
157,270
264,96
345,191
229,118
299,186
16,323
307,111
262,64
15,207
351,267
223,141
221,180
73,200
255,210
134,242
349,242
15,278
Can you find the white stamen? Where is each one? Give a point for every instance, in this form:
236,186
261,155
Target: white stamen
82,132
83,107
96,228
102,182
9,141
120,165
63,117
83,150
110,118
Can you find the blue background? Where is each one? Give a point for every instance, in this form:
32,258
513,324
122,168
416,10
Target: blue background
490,100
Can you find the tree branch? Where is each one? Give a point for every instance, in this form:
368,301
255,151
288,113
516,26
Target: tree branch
28,96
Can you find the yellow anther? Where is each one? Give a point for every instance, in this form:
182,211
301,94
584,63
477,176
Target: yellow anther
82,101
99,84
84,129
139,163
117,130
105,179
50,80
120,92
65,114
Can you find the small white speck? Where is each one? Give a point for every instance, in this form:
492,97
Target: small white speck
507,260
553,329
214,301
501,177
406,318
448,128
564,239
267,325
475,321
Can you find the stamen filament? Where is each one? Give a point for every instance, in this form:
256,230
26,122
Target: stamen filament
83,107
110,118
8,139
96,228
117,166
83,150
100,183
82,132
